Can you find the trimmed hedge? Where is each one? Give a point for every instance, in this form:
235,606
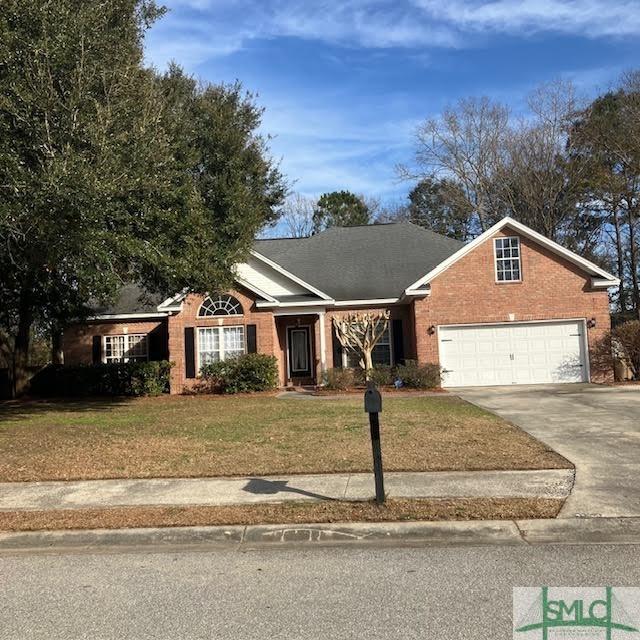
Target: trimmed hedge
112,379
419,376
246,373
412,374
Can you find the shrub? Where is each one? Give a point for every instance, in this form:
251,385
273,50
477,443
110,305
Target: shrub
339,379
343,379
249,372
625,340
112,379
381,375
419,376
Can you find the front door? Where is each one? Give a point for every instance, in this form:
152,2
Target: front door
299,342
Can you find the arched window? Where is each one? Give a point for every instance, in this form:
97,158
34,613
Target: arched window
220,305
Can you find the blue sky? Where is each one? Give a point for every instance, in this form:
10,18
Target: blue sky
345,82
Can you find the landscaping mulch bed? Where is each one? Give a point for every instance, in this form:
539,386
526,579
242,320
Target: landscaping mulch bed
285,513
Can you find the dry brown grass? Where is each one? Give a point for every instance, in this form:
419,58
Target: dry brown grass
191,436
286,513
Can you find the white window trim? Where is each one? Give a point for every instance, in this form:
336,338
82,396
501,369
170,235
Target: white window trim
495,258
220,329
228,315
126,336
345,355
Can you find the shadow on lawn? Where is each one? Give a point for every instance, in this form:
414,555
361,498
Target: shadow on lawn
27,407
261,486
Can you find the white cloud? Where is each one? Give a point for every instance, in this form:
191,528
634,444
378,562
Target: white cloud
204,29
590,18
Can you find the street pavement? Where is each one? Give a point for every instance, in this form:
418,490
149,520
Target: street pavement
281,594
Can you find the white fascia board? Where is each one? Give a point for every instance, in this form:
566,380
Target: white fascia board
291,276
256,290
309,303
174,303
528,233
288,311
415,293
365,302
601,283
128,316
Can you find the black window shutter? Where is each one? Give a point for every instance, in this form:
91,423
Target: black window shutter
158,343
398,341
337,350
252,339
189,352
96,350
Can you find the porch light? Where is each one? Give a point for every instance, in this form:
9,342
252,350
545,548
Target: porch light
431,330
591,324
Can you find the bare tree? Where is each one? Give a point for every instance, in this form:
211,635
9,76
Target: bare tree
540,185
297,216
466,143
360,332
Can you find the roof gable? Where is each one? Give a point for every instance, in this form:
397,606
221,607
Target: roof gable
371,262
599,277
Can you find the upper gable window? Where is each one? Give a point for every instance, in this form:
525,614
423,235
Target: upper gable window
508,259
219,306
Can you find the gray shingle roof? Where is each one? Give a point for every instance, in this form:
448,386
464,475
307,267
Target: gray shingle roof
346,263
364,262
131,299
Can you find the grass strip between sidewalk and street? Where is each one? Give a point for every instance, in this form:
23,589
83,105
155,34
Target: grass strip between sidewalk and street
395,510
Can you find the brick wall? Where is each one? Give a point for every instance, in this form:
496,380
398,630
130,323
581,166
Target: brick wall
77,341
551,288
266,337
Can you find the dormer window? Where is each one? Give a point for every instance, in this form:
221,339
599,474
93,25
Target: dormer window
507,255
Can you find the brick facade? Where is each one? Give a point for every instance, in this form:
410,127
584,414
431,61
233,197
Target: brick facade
550,288
77,341
465,293
266,336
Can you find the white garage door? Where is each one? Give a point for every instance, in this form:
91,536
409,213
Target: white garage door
526,353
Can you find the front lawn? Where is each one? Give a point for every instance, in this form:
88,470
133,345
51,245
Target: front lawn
174,436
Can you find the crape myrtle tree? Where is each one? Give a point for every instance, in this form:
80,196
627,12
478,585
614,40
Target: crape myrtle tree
360,332
111,172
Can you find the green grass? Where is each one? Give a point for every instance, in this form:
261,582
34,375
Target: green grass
244,435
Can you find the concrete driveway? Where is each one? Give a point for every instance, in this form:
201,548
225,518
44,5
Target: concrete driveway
597,428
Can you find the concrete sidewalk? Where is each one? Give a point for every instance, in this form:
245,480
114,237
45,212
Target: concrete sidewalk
551,483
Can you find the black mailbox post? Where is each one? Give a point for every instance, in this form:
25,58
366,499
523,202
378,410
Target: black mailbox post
373,406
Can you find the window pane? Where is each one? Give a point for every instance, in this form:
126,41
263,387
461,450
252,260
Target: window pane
137,348
208,345
233,341
114,349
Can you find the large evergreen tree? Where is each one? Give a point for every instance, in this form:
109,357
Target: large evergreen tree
340,209
110,173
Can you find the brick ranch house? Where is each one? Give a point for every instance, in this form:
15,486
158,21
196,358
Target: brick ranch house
510,307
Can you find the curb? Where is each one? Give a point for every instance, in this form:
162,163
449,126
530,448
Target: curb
572,531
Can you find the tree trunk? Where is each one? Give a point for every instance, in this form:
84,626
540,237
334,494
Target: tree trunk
57,354
622,295
20,375
368,364
633,262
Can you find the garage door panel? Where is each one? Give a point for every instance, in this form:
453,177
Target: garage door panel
513,354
